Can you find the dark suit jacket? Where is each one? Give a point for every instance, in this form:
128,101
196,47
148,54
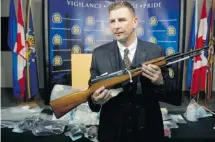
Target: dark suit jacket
130,115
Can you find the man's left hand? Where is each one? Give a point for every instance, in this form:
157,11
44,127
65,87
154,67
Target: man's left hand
153,73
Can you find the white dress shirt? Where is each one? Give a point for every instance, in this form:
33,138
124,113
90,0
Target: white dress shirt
132,49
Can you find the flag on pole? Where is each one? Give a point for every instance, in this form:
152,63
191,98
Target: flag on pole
12,37
21,52
209,75
192,43
12,28
200,61
208,32
32,75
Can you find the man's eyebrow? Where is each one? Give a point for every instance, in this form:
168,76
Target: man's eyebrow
120,18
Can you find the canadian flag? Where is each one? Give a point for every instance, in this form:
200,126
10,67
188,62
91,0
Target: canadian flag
21,51
200,61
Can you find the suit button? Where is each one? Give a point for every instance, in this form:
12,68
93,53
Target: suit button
129,130
137,107
141,128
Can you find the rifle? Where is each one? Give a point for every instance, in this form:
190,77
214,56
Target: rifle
63,105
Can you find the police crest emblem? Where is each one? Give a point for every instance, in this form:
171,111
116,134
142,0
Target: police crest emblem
76,49
76,30
56,18
90,20
153,21
171,31
170,51
57,61
57,40
139,31
171,72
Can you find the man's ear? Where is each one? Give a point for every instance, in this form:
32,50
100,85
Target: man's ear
135,22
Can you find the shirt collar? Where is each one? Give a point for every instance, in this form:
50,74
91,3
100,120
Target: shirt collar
131,48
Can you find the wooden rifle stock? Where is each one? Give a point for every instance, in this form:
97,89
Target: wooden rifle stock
66,103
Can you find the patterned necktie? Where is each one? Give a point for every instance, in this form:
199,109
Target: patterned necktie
126,59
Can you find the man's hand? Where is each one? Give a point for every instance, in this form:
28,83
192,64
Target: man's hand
101,96
153,73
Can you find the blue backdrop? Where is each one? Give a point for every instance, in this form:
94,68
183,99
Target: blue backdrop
79,26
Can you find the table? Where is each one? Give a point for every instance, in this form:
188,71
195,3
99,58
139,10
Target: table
199,131
195,131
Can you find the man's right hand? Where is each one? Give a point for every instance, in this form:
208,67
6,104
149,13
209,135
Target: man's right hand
101,96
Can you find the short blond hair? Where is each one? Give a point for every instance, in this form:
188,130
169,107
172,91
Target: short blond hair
120,4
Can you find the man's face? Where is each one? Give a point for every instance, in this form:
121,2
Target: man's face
122,23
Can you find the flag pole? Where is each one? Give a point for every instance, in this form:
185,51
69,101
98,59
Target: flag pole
27,52
209,77
198,98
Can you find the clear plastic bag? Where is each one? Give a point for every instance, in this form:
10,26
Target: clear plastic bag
41,125
191,112
166,117
83,123
84,115
170,124
9,124
195,111
75,130
202,113
62,90
92,133
44,128
177,118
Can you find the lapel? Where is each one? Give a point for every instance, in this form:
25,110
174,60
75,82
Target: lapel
140,54
114,56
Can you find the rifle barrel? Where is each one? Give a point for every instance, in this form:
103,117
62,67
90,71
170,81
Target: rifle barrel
184,58
187,54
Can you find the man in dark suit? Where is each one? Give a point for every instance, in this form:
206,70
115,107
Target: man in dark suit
130,111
